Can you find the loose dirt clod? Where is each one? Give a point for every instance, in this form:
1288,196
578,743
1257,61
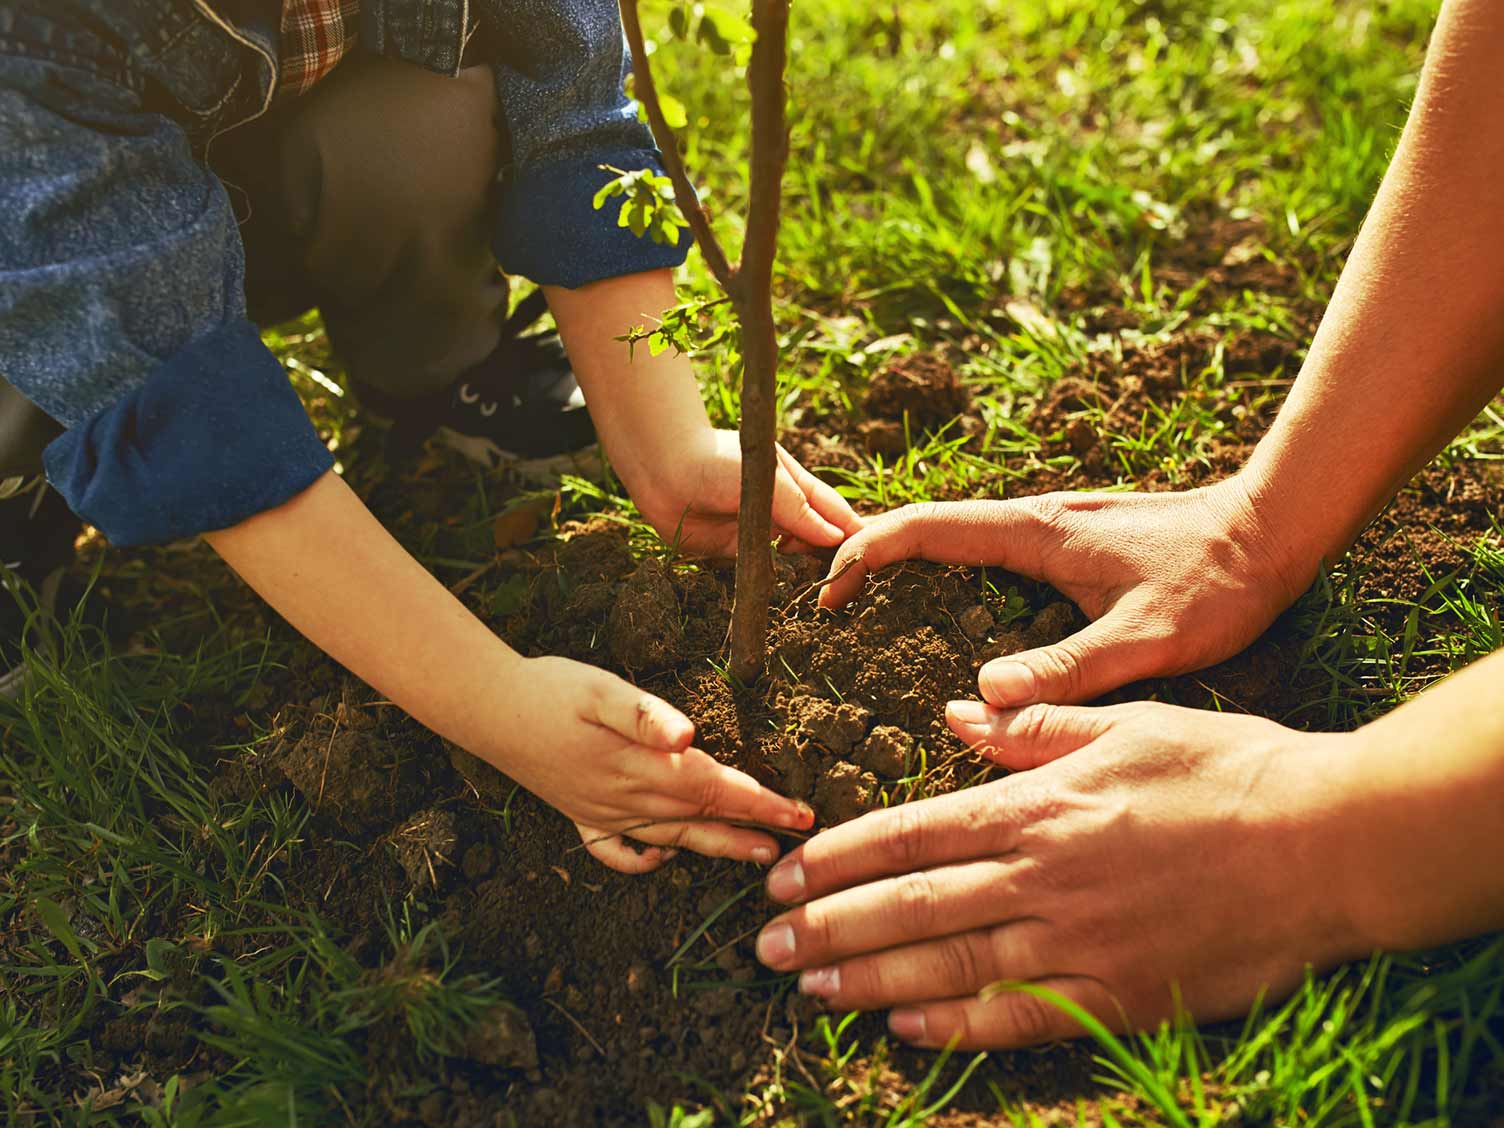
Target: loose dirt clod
883,436
645,629
796,766
1053,623
923,387
493,788
843,793
478,861
886,751
350,766
502,1037
976,622
423,844
836,728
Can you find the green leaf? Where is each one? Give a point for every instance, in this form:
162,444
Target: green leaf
609,189
673,111
56,920
511,596
159,957
678,20
725,26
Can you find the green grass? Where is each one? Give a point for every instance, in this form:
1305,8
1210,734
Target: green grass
959,171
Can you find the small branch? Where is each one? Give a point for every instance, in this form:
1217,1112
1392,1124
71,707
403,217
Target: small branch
818,584
673,163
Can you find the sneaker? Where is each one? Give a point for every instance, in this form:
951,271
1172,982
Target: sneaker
37,531
520,406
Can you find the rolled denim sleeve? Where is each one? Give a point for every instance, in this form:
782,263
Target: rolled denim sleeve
560,81
122,315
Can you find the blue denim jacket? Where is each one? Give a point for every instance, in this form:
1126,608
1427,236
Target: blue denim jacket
122,306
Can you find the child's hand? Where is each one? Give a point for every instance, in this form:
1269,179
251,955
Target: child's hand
693,503
617,761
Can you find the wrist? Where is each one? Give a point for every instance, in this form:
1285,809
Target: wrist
1321,838
1424,863
1268,540
669,467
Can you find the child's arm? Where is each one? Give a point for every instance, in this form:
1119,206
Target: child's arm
609,756
684,474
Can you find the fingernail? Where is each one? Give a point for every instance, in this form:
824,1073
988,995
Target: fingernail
907,1023
802,815
821,981
786,881
1010,683
969,712
763,855
776,945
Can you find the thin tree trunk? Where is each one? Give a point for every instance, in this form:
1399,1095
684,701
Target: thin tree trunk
749,285
754,302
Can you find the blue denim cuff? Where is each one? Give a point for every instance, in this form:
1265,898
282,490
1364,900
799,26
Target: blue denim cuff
550,232
216,435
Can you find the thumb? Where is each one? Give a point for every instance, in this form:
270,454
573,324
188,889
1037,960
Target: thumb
1110,652
1029,737
640,717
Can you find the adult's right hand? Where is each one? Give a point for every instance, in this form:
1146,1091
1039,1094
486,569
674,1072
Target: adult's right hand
1172,582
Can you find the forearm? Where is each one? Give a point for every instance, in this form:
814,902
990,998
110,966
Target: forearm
326,564
1423,859
646,408
1412,345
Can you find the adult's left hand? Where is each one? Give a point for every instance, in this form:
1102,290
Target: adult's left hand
1138,851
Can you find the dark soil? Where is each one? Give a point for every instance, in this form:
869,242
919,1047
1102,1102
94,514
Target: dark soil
606,1020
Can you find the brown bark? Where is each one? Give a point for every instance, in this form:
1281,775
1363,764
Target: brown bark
749,285
754,303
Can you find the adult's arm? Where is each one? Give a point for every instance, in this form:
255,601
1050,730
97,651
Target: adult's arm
1410,349
1143,853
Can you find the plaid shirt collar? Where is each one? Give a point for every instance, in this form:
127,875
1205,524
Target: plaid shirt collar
316,35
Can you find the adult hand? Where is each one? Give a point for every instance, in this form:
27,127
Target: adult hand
1172,582
1146,850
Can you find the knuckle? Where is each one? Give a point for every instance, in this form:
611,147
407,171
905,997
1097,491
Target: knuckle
919,512
901,839
1026,1019
815,932
1063,666
710,794
915,903
1034,723
960,968
1050,511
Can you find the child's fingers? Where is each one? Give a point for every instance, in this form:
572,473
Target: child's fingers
714,840
694,784
823,496
793,513
640,717
608,848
